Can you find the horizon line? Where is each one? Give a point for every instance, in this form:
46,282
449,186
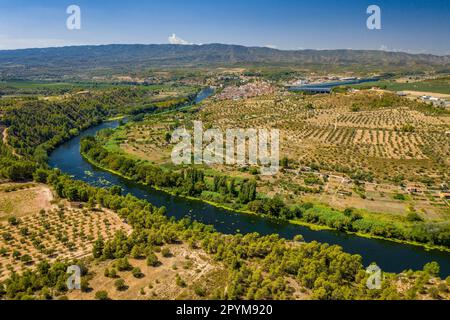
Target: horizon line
225,44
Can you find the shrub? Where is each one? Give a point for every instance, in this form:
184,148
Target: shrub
166,252
137,273
85,285
432,269
200,291
434,292
442,287
13,221
26,258
399,196
120,285
123,265
414,217
180,282
101,295
152,260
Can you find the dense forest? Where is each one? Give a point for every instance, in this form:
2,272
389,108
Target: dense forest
258,267
37,126
35,122
243,195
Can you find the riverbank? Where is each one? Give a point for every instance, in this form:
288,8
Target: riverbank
311,226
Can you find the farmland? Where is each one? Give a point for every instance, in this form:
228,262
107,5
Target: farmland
167,259
438,85
35,227
258,152
380,139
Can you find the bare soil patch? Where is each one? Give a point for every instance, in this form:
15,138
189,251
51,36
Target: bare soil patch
194,267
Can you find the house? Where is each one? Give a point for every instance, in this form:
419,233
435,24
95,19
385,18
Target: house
414,189
344,193
444,195
76,205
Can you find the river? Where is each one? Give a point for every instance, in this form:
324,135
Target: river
390,256
331,85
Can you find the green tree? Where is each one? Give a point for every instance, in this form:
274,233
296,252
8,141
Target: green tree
120,285
101,295
97,249
432,268
152,260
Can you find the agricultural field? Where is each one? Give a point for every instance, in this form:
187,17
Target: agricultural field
438,85
373,132
361,149
35,227
180,273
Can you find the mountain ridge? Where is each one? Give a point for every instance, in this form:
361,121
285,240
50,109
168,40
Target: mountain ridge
117,57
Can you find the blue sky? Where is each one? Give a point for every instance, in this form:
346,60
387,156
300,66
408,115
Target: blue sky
417,26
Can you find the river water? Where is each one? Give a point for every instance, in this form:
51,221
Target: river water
390,256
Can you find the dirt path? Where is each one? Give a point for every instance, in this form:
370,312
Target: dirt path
5,142
5,136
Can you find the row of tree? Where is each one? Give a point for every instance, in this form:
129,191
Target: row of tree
190,181
259,267
243,195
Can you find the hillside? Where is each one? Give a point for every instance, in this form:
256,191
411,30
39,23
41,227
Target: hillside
93,60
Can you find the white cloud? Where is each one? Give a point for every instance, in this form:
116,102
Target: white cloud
271,46
410,51
173,39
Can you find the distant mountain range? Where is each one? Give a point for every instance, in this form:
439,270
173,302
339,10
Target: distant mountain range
76,60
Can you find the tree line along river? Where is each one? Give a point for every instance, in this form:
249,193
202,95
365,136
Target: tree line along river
390,256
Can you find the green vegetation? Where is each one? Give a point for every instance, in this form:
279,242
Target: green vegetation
256,267
259,267
243,196
46,88
36,127
439,85
101,295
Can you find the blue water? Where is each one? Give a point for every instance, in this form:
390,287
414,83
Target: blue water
331,85
390,256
